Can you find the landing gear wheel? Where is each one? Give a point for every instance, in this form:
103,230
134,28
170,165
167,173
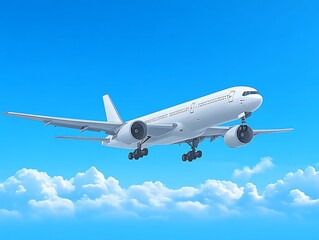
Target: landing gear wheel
184,157
191,156
199,154
144,152
138,153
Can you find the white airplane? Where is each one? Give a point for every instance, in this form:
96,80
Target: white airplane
191,122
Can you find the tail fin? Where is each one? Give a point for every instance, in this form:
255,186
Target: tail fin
111,113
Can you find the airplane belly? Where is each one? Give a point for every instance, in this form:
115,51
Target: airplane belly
116,144
178,135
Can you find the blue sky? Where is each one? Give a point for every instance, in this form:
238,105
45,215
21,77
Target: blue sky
60,57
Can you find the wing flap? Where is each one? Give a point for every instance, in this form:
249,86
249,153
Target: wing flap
83,125
85,138
215,131
155,130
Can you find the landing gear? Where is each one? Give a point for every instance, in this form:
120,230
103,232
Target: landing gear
138,153
244,116
192,155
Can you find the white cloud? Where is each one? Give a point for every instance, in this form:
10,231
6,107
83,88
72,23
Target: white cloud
300,198
247,172
150,194
6,214
21,189
89,194
251,191
192,207
54,206
224,190
30,182
90,182
300,187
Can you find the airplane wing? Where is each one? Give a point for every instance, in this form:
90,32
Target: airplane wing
109,128
83,125
221,131
258,132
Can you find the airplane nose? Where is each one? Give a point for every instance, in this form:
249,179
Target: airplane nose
254,102
257,101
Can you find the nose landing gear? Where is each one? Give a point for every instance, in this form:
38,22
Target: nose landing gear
243,117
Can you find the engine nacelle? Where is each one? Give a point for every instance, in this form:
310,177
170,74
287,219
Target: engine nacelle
238,136
132,132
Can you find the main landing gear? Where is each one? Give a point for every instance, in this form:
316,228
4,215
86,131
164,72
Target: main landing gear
139,152
193,154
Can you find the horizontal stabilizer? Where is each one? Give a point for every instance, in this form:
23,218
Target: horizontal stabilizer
85,138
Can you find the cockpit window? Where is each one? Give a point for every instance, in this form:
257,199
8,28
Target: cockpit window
250,92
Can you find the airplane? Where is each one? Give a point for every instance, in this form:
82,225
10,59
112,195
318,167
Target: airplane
191,122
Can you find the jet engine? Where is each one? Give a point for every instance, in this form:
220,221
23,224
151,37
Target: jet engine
238,136
132,132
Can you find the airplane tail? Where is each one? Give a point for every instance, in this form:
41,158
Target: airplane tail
111,113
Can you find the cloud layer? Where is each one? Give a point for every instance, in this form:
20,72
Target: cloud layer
248,172
33,194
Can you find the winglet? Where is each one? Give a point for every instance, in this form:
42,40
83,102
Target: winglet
111,113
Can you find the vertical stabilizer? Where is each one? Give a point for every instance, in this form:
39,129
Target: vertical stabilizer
111,113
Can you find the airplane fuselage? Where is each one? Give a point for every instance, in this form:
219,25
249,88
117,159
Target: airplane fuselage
194,117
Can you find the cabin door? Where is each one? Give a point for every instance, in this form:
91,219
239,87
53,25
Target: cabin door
231,96
192,109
